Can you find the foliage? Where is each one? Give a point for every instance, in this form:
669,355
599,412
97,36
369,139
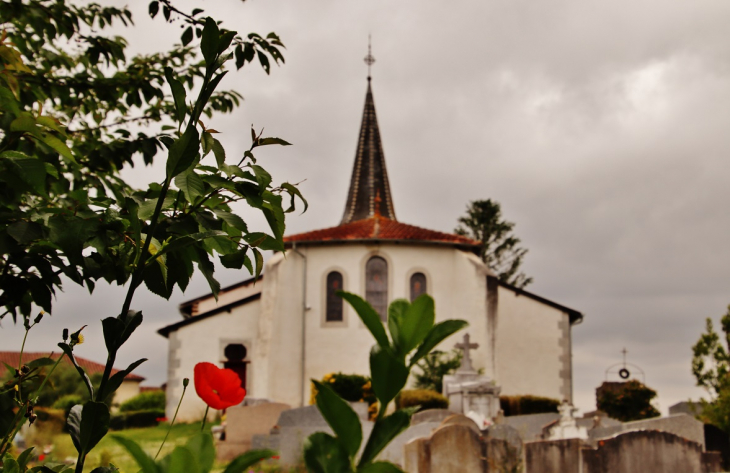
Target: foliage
68,98
421,398
66,402
523,405
627,401
500,248
350,387
136,419
413,335
62,383
64,210
711,369
434,367
147,401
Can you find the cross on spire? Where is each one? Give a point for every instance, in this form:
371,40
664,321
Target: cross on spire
369,59
466,360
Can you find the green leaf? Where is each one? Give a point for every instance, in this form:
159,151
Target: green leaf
88,424
272,141
144,461
147,209
324,454
259,261
379,467
384,431
201,446
50,122
262,177
24,457
209,42
294,192
113,328
369,317
191,184
410,323
117,379
10,465
241,463
69,352
263,241
187,36
340,416
25,232
225,40
435,336
219,152
389,374
154,8
39,362
231,219
105,469
178,92
234,260
183,152
59,147
182,460
32,171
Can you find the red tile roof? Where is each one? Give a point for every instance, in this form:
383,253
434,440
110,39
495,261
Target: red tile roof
91,367
380,228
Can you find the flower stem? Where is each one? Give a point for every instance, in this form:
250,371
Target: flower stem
173,421
205,417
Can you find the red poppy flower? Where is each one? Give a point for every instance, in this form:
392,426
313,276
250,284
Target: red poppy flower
219,388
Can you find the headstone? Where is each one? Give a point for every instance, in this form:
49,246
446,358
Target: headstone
469,392
506,433
431,415
566,427
243,423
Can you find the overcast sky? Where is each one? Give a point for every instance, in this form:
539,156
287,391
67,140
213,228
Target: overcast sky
601,128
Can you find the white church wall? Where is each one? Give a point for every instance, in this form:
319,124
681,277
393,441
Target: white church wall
530,345
227,297
454,279
205,340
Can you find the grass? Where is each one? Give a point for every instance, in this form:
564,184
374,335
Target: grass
108,450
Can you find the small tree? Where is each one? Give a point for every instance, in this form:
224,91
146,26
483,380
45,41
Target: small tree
434,367
711,369
500,248
626,401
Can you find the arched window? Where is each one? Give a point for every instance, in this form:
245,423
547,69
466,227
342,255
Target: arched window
418,285
334,302
235,354
376,285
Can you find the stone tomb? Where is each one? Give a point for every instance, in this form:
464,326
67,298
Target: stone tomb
245,422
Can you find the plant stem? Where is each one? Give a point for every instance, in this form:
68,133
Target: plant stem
205,417
173,422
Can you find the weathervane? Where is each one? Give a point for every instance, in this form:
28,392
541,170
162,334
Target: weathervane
369,59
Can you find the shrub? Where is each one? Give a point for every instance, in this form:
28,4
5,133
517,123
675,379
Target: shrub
134,419
65,403
425,398
434,367
350,387
626,401
523,405
148,401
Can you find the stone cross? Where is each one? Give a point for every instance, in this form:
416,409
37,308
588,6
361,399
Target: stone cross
466,360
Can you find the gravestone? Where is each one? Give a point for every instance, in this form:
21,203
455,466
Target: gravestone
469,392
245,422
566,427
431,415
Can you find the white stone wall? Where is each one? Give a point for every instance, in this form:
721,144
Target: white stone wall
205,340
530,356
456,280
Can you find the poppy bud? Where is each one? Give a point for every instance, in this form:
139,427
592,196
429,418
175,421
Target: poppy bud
25,369
39,317
32,418
186,381
65,334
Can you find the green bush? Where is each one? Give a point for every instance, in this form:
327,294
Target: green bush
350,387
425,398
135,419
149,401
66,402
523,405
627,401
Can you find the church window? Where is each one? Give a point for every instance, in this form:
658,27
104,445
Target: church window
235,354
376,285
334,302
418,285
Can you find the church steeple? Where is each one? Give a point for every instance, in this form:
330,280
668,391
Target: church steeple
369,193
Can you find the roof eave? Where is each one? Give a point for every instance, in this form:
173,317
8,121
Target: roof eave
380,241
576,317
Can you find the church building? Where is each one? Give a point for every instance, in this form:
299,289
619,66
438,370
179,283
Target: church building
290,326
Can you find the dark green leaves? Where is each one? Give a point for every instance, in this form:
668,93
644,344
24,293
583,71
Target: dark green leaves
178,94
410,323
209,43
325,454
69,352
384,431
145,462
389,374
340,416
183,152
241,463
369,317
88,424
436,335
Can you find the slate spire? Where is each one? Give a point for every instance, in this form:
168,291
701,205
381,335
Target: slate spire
369,193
